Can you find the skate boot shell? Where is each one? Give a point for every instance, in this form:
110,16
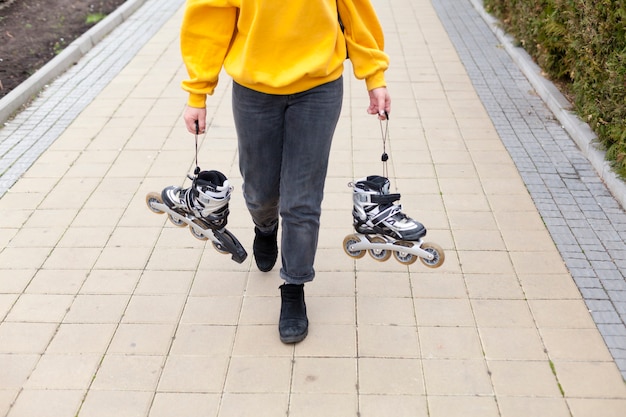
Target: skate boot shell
204,208
382,229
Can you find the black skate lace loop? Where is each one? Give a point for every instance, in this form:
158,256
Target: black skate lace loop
197,170
384,132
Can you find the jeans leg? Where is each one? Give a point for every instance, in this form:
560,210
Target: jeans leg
310,122
259,121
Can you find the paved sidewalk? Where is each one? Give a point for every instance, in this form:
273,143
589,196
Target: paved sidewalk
109,310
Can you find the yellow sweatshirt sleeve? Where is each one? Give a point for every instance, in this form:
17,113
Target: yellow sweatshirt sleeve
365,41
206,32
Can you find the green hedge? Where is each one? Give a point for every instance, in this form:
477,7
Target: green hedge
582,45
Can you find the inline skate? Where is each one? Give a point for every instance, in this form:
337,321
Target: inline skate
203,207
382,229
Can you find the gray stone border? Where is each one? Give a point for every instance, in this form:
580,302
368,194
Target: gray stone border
580,131
68,57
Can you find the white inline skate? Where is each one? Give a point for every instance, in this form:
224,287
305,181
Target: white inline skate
382,229
203,207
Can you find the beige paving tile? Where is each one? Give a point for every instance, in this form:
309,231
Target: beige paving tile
132,373
194,339
483,240
332,284
167,259
590,379
110,281
227,283
85,237
575,345
385,310
116,403
258,375
142,339
16,369
588,407
25,338
328,310
316,404
438,286
392,406
167,404
40,308
538,262
134,237
262,310
460,406
386,341
14,281
212,310
98,217
164,282
512,344
257,404
154,309
494,286
533,406
193,374
123,258
261,340
72,258
566,314
457,377
81,338
97,309
549,286
523,378
63,372
485,262
23,258
444,312
47,403
40,237
389,376
503,313
50,281
6,303
324,375
317,344
371,284
450,343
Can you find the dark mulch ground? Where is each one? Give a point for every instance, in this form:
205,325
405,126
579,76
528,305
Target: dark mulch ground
32,32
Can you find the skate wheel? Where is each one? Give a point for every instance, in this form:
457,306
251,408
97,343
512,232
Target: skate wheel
349,241
438,255
405,258
197,234
175,221
381,255
220,248
151,200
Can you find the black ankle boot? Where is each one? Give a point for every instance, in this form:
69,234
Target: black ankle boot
265,249
293,325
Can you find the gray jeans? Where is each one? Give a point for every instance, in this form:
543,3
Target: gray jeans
284,144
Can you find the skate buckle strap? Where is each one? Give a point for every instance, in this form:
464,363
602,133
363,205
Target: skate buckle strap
384,198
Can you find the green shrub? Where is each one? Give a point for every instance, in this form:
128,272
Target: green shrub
581,44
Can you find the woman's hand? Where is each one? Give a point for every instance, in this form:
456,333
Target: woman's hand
195,119
380,102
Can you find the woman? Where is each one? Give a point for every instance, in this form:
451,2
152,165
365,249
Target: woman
286,60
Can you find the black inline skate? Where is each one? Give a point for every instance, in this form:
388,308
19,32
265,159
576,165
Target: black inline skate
203,207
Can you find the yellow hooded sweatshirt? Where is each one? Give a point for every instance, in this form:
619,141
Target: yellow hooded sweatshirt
279,46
